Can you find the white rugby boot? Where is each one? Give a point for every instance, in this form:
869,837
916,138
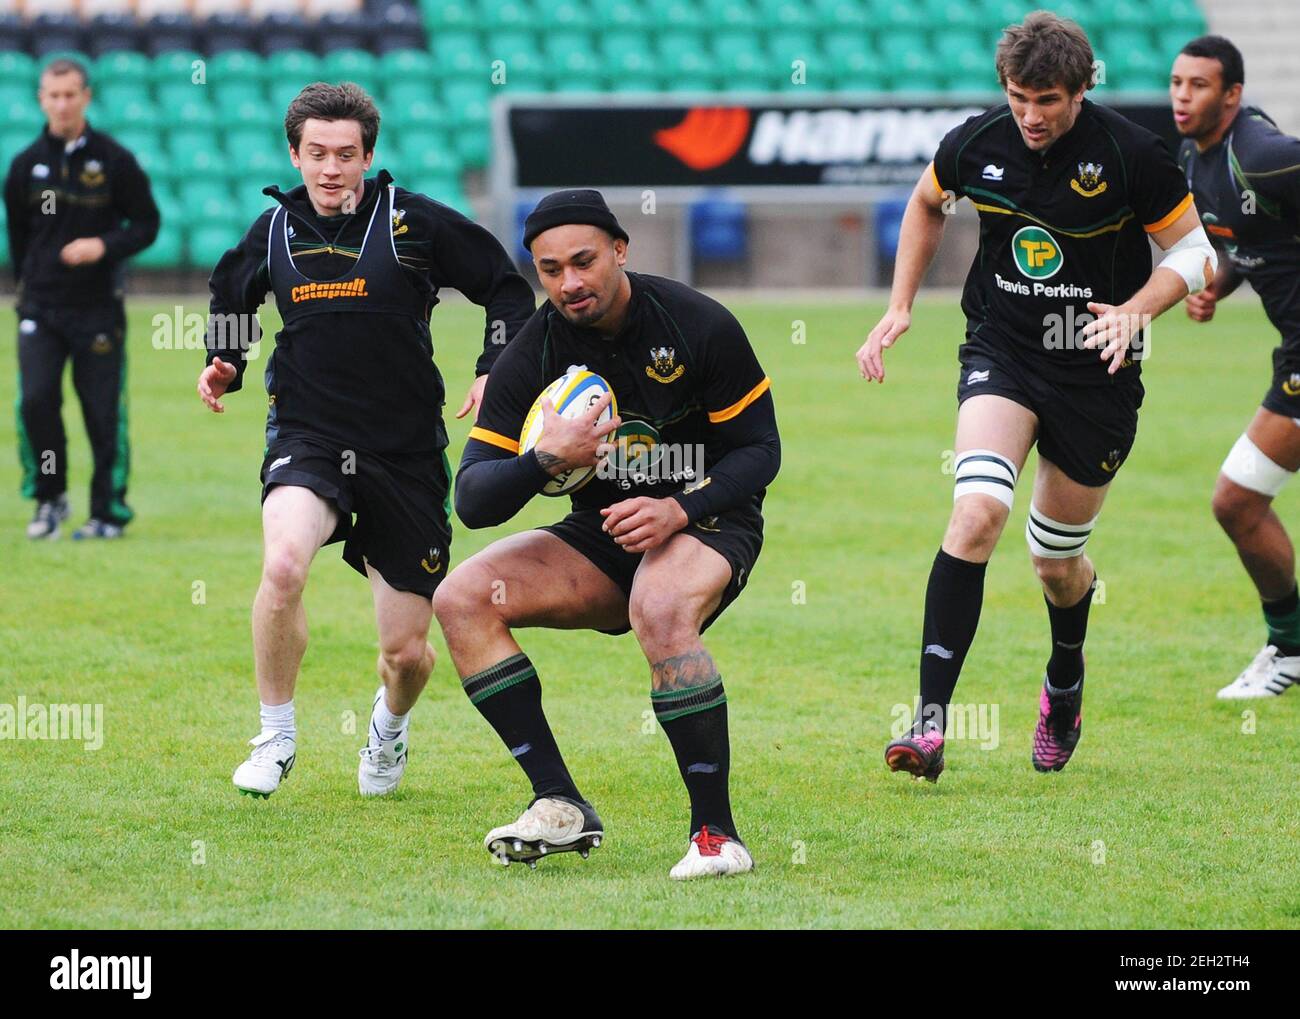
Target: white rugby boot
550,825
1269,675
382,761
710,855
268,765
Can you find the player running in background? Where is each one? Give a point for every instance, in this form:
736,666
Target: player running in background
662,552
1068,193
1245,176
355,421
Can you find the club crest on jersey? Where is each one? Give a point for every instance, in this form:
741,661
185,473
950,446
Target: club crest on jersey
433,563
1111,464
1036,252
664,370
399,227
1292,385
92,175
1089,182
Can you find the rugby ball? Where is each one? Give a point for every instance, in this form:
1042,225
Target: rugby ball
572,394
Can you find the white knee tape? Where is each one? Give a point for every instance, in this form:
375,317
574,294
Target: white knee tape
1051,539
1247,466
984,472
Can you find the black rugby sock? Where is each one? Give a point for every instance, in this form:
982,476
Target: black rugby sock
695,720
953,599
1069,628
509,696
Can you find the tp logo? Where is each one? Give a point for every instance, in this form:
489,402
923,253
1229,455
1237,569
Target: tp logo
1036,252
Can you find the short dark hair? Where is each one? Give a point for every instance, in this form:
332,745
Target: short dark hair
323,101
66,65
1216,47
1045,50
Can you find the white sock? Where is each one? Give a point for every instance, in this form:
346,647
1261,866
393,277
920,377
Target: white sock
384,722
279,718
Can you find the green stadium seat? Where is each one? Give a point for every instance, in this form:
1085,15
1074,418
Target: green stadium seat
1169,41
684,63
613,15
579,69
12,93
1182,14
459,56
119,67
16,66
414,106
525,69
175,67
23,114
352,65
732,16
743,65
634,82
407,66
208,202
167,249
157,163
236,65
11,143
506,15
446,190
250,201
441,15
841,17
959,19
899,15
1131,61
294,65
139,114
207,243
473,146
466,103
428,152
282,91
566,15
173,97
680,16
909,64
232,97
627,55
786,15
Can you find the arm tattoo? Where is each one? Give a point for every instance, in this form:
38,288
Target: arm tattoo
695,668
547,460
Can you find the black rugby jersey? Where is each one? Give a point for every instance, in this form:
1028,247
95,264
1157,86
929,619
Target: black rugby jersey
685,379
1247,190
353,363
1058,229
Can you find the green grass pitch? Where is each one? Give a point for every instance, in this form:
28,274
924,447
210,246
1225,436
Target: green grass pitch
1177,810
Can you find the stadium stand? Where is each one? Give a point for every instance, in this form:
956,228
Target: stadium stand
197,88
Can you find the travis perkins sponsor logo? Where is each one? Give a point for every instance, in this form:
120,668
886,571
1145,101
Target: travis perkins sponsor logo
1023,289
75,972
329,291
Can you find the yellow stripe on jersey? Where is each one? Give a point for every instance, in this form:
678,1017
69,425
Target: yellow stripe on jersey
1110,229
727,413
934,176
494,439
1177,211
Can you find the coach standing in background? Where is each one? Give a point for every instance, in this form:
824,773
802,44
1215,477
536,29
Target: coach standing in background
78,206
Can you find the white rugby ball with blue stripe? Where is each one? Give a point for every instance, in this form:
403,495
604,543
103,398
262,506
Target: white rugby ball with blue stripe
572,394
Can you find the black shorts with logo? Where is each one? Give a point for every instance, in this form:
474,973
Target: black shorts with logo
401,503
736,535
1086,430
1283,396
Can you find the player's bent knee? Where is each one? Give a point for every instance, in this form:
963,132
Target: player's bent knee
459,597
1248,466
661,618
1238,510
1056,571
1052,540
408,659
285,571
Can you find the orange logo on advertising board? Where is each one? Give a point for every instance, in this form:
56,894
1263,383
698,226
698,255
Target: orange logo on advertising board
707,137
329,291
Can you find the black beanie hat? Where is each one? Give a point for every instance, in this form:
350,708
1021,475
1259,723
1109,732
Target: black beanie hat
560,208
